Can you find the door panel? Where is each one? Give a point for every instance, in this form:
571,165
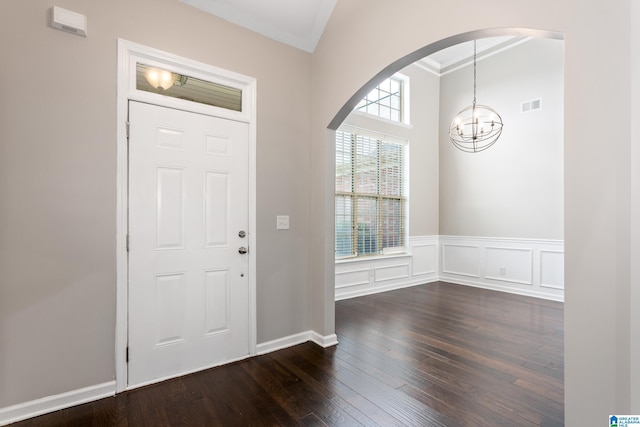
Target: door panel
188,284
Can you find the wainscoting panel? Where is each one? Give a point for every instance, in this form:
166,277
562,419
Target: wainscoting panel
351,278
552,269
368,275
425,256
461,260
392,272
523,266
520,262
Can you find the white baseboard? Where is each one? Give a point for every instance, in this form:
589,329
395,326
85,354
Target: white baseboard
324,341
291,340
34,408
374,290
187,372
507,289
22,411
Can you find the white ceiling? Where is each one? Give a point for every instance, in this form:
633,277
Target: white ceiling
300,23
461,55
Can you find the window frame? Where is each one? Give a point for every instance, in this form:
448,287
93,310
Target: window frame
405,110
354,196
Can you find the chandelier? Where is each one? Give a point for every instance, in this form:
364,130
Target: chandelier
477,127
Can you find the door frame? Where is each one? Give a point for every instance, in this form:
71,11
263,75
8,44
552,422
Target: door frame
129,54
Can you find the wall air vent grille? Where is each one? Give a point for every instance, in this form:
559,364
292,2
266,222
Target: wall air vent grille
528,106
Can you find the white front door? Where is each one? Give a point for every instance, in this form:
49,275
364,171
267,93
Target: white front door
188,211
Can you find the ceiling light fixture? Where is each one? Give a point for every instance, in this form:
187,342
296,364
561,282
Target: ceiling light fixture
477,127
163,78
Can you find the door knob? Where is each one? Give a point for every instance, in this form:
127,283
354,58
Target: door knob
242,250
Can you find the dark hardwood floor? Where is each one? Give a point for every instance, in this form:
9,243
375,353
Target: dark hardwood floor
432,355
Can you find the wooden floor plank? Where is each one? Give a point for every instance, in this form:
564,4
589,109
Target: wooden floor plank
431,355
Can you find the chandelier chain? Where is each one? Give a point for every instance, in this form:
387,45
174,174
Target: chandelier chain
474,72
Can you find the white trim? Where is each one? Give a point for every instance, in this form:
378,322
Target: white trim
495,240
544,285
134,53
529,251
381,119
128,54
373,134
507,289
470,265
183,373
440,69
389,267
405,98
378,289
351,272
255,21
360,276
541,270
324,341
521,275
429,65
295,339
369,258
460,273
284,342
33,408
323,313
431,243
488,53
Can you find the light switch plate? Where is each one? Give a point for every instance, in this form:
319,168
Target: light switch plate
282,222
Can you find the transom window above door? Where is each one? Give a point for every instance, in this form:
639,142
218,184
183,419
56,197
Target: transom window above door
169,83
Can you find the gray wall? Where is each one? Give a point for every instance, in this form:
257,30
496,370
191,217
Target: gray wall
58,181
422,135
634,306
514,188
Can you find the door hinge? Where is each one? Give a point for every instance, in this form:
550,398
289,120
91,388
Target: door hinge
127,355
127,126
127,242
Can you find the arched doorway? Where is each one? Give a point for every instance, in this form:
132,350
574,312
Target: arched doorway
428,50
387,70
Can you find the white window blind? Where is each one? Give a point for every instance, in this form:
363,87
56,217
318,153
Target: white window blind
370,195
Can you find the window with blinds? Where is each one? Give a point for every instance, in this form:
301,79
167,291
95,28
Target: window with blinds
370,195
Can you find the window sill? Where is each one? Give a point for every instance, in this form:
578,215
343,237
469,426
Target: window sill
382,119
372,257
